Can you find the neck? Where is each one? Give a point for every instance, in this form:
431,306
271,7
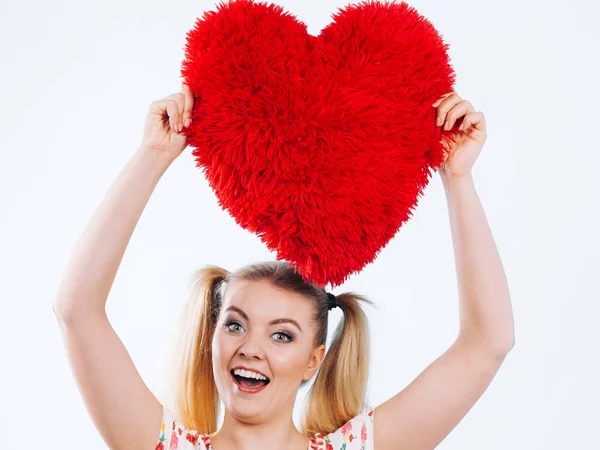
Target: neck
267,433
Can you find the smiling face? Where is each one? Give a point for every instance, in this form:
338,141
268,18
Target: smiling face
256,330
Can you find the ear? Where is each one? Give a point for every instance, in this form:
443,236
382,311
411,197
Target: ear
316,358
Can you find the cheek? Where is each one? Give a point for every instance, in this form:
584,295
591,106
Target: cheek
222,353
288,361
222,344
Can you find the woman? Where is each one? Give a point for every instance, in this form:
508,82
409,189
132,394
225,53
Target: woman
254,336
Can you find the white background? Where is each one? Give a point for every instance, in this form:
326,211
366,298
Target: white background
76,81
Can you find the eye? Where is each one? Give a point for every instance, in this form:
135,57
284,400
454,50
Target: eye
233,326
284,337
230,323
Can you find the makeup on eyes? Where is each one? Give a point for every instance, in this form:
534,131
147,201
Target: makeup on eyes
289,336
272,322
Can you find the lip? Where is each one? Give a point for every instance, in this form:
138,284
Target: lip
245,389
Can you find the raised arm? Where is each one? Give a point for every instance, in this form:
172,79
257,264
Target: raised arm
427,410
123,409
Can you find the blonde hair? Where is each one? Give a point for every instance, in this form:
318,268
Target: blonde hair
339,390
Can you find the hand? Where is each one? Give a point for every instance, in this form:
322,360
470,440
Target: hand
469,138
165,121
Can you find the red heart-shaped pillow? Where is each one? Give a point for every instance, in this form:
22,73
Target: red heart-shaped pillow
319,145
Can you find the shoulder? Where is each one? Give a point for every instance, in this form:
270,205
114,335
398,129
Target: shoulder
174,436
355,434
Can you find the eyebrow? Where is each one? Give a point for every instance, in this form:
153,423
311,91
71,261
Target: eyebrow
272,322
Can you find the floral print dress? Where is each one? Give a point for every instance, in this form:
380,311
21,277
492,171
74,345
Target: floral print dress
356,434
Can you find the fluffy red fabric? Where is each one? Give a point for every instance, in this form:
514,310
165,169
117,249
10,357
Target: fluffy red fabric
319,145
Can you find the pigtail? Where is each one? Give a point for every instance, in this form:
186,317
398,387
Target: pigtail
339,390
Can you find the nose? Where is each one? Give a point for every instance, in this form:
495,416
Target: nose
252,347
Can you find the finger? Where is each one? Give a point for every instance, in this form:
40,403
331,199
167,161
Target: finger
188,104
446,105
460,109
466,123
442,98
475,119
167,109
180,100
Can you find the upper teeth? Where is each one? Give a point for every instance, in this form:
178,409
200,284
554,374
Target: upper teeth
248,374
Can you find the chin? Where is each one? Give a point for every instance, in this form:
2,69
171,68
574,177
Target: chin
248,411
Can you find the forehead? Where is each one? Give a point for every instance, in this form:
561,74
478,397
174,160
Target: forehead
262,301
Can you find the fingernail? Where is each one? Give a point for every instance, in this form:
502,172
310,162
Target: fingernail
187,122
439,121
446,125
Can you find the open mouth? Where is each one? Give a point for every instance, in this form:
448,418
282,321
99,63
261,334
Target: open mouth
250,384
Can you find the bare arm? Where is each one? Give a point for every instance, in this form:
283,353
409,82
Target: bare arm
96,258
93,265
485,307
123,409
427,410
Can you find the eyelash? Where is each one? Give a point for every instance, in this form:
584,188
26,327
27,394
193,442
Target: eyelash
288,336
